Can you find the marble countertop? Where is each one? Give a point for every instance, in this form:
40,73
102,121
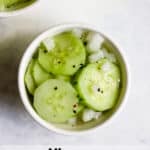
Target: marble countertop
127,21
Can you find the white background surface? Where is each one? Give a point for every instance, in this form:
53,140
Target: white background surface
127,21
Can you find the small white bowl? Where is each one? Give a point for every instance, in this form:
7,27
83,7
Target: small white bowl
6,14
87,127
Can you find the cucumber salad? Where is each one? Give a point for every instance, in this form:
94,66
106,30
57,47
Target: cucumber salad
8,5
73,77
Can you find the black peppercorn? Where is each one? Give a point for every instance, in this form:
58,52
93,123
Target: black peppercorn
98,89
74,111
55,88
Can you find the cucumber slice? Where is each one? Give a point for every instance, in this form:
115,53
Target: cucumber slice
98,85
65,78
29,81
39,74
56,101
67,56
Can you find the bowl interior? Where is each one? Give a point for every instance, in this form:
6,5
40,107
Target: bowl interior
64,127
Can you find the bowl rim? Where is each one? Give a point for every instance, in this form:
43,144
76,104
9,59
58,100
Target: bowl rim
5,14
23,94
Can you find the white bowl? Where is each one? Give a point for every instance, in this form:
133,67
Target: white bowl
87,127
6,14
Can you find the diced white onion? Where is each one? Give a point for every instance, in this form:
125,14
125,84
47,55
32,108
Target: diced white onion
94,42
77,32
97,115
110,56
49,43
96,56
89,115
72,121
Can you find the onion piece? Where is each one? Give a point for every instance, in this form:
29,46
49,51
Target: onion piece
89,114
110,56
96,56
77,32
95,41
48,43
72,121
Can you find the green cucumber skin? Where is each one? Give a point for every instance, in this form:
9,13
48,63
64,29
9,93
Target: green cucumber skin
29,80
39,74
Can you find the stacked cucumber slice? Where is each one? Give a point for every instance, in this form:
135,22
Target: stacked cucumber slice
29,80
66,85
